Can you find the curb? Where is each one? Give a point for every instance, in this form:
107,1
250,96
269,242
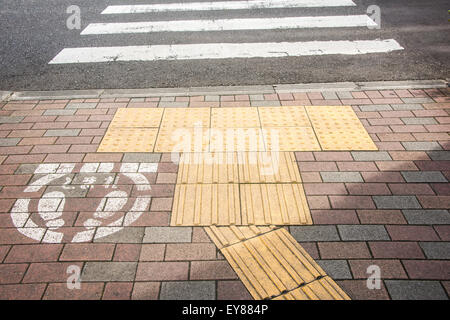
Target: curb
218,90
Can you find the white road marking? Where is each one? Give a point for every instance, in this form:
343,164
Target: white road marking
229,24
225,5
51,205
223,51
89,167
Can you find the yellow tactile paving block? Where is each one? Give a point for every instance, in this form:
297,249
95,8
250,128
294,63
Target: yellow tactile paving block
227,236
182,140
283,116
278,204
240,204
268,167
244,117
206,205
290,139
186,117
208,168
239,129
338,128
238,167
271,264
236,139
128,140
321,289
137,118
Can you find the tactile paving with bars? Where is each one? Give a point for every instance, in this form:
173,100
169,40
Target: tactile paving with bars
279,204
321,289
239,204
272,264
238,167
226,236
206,205
261,188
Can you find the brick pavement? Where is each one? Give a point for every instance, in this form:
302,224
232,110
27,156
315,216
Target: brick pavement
387,207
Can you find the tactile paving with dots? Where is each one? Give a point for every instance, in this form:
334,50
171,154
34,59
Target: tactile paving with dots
182,140
239,129
128,140
290,139
137,118
236,139
338,128
243,117
186,117
283,117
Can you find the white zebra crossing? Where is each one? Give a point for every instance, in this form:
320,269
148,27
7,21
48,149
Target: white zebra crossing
223,51
197,51
226,5
229,24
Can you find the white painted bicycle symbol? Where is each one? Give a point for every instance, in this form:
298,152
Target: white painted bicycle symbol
115,210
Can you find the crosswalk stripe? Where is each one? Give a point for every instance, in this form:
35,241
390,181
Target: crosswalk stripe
225,5
229,24
222,51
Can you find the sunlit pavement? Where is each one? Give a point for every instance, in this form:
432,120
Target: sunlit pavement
69,207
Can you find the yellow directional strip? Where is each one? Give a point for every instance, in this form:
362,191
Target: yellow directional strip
272,265
293,128
238,167
239,189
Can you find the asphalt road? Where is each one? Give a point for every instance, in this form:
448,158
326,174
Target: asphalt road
34,32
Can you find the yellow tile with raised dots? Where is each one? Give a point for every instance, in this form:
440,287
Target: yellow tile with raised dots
338,128
290,139
186,117
283,117
137,118
236,139
128,140
243,117
182,140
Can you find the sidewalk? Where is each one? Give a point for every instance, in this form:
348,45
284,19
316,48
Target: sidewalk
388,208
